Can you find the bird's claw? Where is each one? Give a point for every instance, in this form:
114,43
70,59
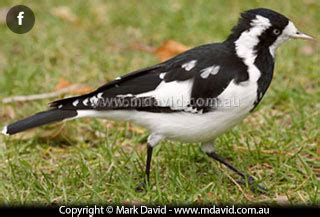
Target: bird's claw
254,186
141,187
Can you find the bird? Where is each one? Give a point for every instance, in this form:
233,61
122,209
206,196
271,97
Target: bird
193,97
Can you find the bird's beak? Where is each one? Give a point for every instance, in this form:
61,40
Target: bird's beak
301,35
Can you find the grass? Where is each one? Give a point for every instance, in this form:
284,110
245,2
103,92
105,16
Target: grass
99,161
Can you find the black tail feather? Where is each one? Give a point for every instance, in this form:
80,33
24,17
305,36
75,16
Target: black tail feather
39,119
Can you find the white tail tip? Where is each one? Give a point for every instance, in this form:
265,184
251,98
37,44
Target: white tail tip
5,131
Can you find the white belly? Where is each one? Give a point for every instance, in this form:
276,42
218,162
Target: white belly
236,103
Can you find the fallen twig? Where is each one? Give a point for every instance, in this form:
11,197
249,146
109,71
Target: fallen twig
42,95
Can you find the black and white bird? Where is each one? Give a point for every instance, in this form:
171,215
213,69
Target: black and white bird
193,97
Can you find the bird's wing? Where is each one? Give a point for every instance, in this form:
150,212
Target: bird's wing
182,83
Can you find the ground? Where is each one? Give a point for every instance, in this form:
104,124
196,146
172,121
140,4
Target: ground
95,161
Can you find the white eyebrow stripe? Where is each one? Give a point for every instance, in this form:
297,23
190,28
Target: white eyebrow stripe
211,70
189,65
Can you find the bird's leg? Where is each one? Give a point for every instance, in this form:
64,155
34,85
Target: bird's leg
209,150
142,185
148,163
153,140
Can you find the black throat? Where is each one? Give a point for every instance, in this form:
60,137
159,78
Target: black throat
265,63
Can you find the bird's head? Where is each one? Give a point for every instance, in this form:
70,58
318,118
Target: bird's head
264,28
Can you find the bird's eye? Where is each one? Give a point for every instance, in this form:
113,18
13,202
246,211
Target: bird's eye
276,31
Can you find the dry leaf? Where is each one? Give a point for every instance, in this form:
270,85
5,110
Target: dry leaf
82,90
309,2
136,129
3,15
62,84
282,200
307,50
169,49
9,112
199,199
65,14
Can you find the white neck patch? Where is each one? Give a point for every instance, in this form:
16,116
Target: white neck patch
248,40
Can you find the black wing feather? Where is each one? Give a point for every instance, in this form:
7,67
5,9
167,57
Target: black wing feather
111,88
148,79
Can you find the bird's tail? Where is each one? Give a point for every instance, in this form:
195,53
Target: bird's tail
39,119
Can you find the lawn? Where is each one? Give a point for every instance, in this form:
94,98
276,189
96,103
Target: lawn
100,161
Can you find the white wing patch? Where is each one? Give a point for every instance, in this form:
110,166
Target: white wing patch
75,103
85,102
174,94
189,65
161,76
212,70
94,101
125,95
193,110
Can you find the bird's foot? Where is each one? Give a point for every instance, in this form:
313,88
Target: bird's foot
253,185
141,187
